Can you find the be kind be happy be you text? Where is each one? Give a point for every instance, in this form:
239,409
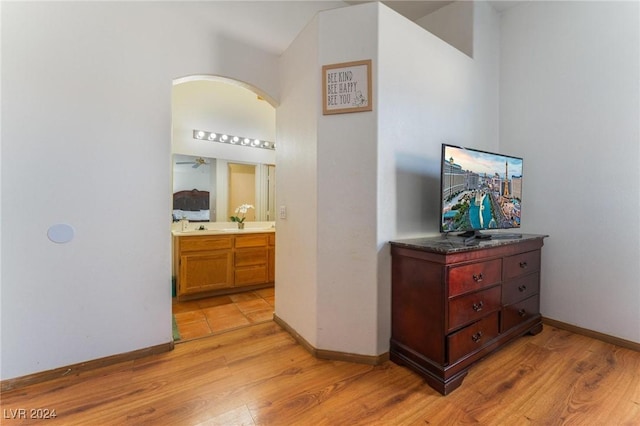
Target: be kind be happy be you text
343,89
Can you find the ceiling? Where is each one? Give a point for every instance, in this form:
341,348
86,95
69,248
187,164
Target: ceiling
412,10
247,22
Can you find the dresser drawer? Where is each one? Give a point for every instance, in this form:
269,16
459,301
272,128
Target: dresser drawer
474,306
520,312
474,276
521,264
472,337
520,288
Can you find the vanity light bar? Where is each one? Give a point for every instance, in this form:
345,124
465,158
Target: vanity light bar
233,140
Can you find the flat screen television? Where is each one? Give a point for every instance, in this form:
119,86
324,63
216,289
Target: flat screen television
479,191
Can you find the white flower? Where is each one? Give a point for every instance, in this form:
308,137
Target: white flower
244,208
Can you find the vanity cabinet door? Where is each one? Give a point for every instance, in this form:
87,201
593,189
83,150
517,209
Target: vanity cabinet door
205,271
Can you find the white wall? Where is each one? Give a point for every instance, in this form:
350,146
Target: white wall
225,108
440,95
570,106
86,105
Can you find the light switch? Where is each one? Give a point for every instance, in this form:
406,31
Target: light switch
283,212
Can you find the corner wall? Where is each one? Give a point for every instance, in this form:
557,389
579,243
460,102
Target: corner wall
326,263
377,173
347,170
297,186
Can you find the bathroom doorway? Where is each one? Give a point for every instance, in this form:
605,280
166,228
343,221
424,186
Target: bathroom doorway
238,174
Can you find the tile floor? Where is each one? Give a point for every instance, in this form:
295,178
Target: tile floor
215,315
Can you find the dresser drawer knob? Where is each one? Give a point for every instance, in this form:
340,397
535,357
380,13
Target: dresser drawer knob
477,336
522,313
478,306
523,265
478,277
522,288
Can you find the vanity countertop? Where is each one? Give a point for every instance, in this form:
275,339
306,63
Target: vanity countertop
221,228
223,231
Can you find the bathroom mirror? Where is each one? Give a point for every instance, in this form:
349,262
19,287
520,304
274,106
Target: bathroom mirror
229,184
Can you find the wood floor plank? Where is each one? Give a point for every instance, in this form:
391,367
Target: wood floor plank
260,376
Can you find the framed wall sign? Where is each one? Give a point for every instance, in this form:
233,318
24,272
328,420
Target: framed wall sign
346,87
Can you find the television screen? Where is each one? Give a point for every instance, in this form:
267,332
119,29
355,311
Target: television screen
479,190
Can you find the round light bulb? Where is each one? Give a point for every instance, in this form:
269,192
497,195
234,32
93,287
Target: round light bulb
200,134
224,137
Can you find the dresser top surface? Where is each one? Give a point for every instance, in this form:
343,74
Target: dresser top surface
449,244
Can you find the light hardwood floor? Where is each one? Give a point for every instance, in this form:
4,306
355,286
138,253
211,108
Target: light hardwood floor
260,376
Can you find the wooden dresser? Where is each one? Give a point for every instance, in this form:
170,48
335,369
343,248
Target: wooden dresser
453,304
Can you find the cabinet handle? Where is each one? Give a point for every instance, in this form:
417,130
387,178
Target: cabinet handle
522,288
478,306
477,336
522,313
523,265
478,278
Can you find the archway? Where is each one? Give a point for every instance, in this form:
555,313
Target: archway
219,105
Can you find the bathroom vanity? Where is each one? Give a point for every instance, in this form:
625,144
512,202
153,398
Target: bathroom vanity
221,261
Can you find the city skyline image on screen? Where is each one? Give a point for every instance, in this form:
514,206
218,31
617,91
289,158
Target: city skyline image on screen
480,190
